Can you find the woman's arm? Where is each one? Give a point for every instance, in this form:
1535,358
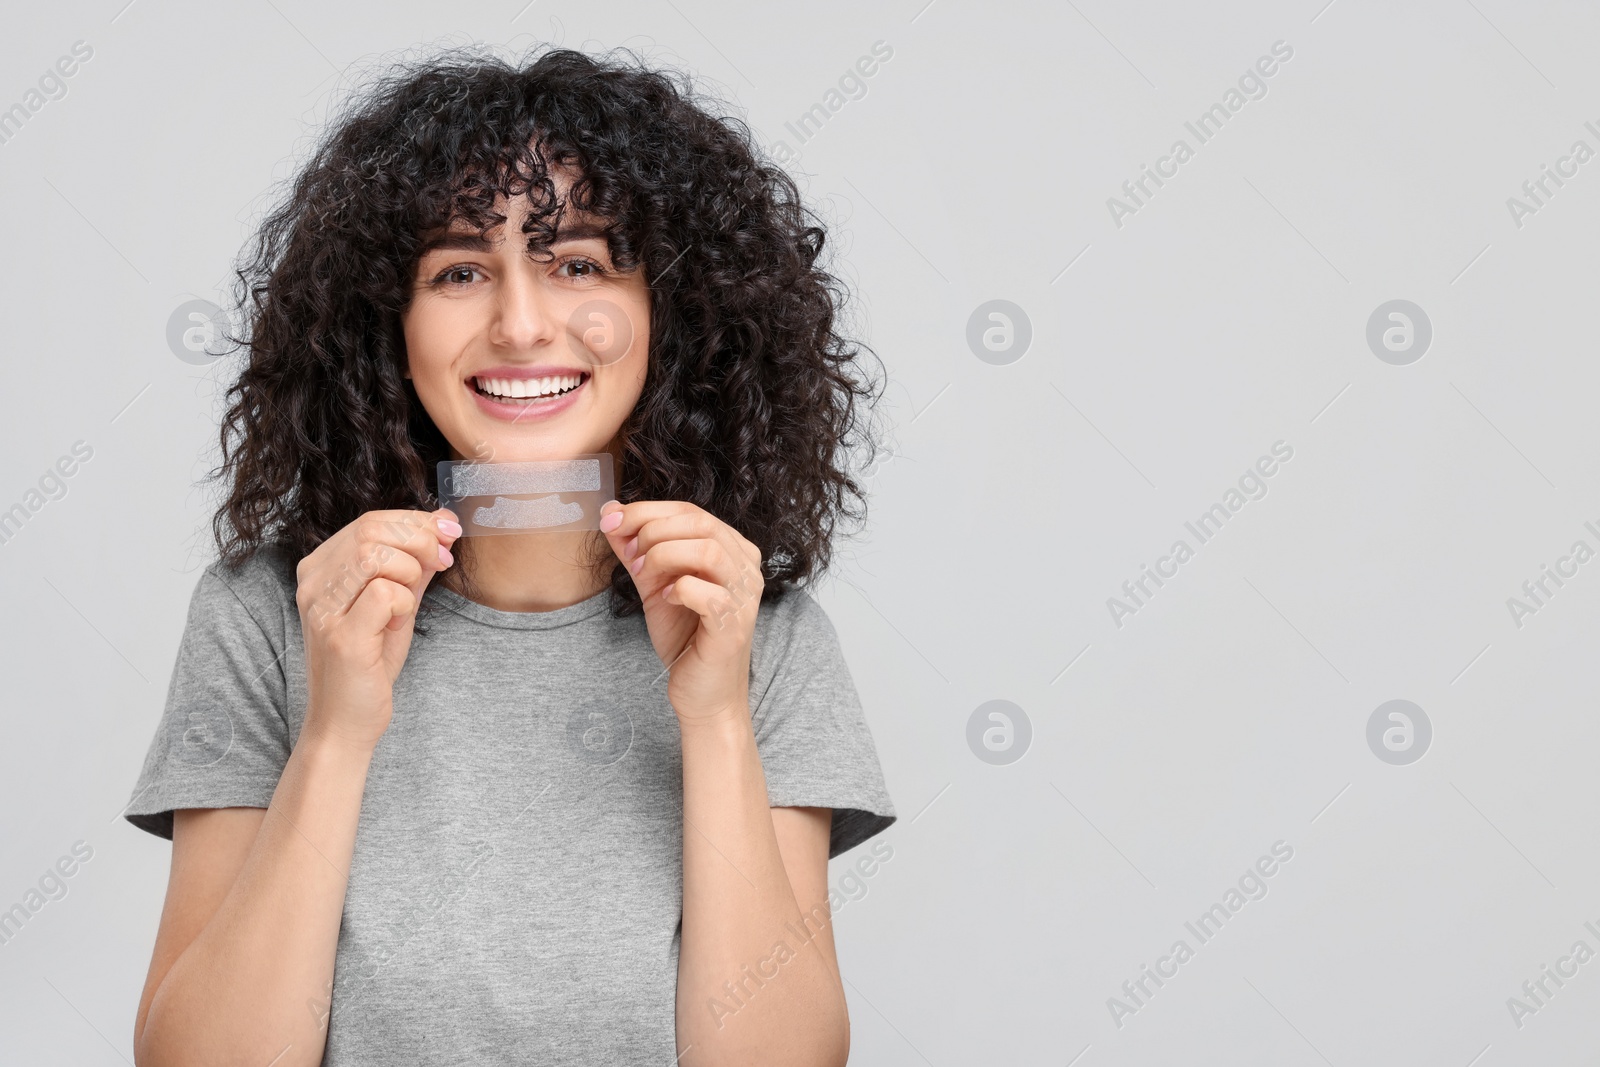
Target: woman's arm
251,982
758,981
757,978
250,979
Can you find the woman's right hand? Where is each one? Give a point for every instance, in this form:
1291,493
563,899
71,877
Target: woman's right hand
358,594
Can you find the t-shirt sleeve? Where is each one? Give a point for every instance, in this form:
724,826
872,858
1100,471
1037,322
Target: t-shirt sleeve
223,738
816,749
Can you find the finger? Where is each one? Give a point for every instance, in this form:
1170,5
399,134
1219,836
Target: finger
404,525
717,552
620,523
685,526
378,543
688,522
704,558
345,582
449,526
382,604
411,517
401,524
640,512
426,536
713,603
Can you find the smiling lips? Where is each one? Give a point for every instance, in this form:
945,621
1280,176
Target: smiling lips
519,393
524,388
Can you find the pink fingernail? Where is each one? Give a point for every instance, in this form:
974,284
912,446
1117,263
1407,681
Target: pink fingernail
636,565
445,558
448,528
631,547
611,522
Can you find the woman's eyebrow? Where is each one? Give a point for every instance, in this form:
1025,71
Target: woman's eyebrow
470,241
582,231
457,241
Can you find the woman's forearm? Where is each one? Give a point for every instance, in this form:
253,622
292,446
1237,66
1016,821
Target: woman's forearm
255,983
741,999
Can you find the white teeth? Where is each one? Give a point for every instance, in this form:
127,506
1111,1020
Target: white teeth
525,388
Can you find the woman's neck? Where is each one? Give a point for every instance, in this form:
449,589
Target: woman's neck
531,572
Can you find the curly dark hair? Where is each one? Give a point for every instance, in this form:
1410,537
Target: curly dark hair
750,408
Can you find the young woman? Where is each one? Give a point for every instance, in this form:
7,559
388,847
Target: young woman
562,798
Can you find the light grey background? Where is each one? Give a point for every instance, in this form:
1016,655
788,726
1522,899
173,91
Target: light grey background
1167,355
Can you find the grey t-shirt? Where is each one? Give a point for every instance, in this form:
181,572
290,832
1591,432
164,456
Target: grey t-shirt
516,889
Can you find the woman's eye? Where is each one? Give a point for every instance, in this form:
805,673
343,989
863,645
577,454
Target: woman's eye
463,275
583,268
453,276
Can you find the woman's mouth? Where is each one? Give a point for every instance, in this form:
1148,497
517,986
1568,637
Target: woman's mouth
511,396
528,391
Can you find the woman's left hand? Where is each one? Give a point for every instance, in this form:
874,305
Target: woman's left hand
700,582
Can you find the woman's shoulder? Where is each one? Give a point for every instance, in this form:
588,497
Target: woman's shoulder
784,608
790,623
263,584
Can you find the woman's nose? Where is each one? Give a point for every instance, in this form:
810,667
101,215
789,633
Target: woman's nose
526,315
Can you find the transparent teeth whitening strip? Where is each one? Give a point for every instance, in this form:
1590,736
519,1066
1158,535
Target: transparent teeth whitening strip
539,496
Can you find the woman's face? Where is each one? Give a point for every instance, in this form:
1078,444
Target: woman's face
517,358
